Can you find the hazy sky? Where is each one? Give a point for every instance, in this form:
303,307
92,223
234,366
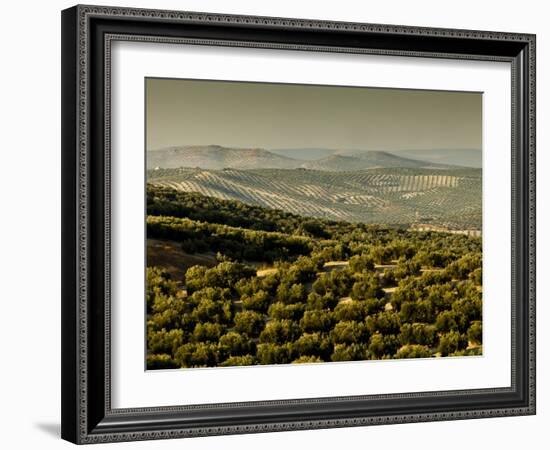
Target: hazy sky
269,115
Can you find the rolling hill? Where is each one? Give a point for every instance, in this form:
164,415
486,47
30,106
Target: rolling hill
366,160
304,153
402,196
458,157
446,157
215,157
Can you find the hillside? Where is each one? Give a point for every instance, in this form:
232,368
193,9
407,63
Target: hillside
394,196
215,157
433,157
458,157
366,160
304,153
229,284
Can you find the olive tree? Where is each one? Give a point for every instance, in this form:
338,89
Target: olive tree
249,322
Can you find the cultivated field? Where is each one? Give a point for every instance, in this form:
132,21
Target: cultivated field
400,196
232,284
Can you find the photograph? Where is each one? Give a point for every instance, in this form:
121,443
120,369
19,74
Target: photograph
273,222
301,223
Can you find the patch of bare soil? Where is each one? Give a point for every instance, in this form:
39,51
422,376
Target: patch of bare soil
265,272
335,265
170,256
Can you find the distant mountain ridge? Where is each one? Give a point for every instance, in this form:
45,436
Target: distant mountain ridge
467,157
366,160
216,157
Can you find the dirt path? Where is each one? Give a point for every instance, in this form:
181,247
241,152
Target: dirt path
335,265
265,272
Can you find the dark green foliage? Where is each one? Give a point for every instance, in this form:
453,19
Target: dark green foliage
353,310
307,360
441,297
235,344
475,351
274,354
195,279
373,306
291,312
207,332
197,355
321,295
388,278
316,320
161,361
250,286
291,293
224,275
279,332
259,301
377,346
349,332
437,259
158,284
475,333
165,342
245,360
353,352
406,269
409,290
383,345
313,228
451,342
366,287
417,333
469,307
386,322
476,276
418,311
361,263
249,322
382,254
317,301
302,270
446,321
238,243
413,351
211,305
462,268
170,313
313,344
337,282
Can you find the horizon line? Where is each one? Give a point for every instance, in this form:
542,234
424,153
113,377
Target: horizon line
315,148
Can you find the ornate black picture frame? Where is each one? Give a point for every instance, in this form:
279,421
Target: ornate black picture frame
87,34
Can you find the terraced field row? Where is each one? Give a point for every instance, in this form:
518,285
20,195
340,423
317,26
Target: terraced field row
391,196
274,198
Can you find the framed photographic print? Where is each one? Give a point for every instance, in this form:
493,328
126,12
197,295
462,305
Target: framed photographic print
282,224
